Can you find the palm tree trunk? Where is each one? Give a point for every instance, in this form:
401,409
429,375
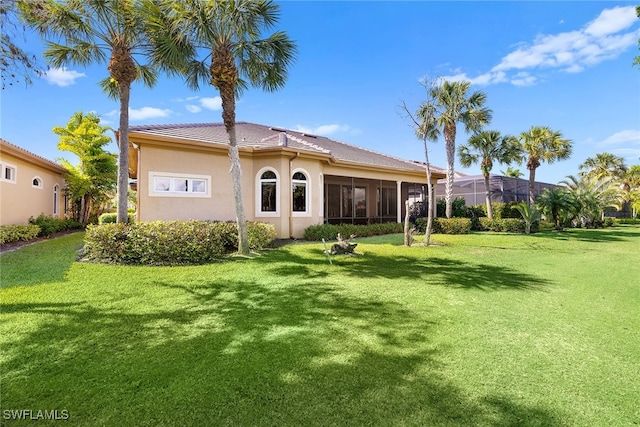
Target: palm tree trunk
123,154
227,94
487,196
450,146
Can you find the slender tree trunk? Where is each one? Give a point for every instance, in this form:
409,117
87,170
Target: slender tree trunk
407,231
430,204
450,146
487,196
227,93
532,165
123,154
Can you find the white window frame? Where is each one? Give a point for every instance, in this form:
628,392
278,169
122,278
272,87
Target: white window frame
172,177
307,193
258,194
56,199
40,185
14,173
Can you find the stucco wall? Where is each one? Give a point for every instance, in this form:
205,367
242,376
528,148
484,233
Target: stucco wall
21,200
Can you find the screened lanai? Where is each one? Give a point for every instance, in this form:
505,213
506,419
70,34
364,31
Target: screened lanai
502,188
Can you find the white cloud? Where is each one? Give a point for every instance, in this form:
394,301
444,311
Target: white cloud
628,137
602,39
193,108
62,76
145,113
323,129
214,103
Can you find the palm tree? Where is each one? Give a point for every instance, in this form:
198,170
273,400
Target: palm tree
591,196
486,147
455,105
229,33
530,214
603,165
543,145
512,172
98,31
553,202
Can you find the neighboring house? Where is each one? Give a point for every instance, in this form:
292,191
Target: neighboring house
289,179
30,185
502,188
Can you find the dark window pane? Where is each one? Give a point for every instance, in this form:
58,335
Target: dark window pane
299,197
299,176
268,175
268,202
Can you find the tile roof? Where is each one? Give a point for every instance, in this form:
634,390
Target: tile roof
261,136
28,155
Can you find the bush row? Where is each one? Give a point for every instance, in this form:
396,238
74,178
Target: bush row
111,217
445,225
50,225
628,221
16,233
170,242
330,231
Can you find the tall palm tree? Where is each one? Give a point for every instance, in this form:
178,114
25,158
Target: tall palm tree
486,147
98,31
543,145
603,165
229,34
456,105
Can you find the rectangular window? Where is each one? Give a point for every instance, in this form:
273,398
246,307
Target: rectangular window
360,201
299,197
268,196
9,173
177,185
387,203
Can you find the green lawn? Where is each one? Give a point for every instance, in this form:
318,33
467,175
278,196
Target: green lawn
484,329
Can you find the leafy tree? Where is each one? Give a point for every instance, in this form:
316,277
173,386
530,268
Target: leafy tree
603,165
637,59
228,35
591,196
454,104
512,172
553,202
15,63
486,147
632,178
98,31
90,183
543,145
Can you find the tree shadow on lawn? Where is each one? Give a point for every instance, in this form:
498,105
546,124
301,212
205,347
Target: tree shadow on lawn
432,270
589,235
242,353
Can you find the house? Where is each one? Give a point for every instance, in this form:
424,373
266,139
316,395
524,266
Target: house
503,189
289,179
30,185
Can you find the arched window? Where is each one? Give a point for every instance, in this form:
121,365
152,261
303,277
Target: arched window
36,182
56,191
300,192
268,191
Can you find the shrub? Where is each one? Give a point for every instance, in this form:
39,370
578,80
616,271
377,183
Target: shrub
16,233
50,225
627,221
609,221
169,242
458,208
111,217
452,225
330,231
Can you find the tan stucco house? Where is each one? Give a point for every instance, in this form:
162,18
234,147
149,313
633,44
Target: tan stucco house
289,179
30,185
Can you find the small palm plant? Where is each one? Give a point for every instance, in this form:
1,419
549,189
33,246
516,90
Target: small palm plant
530,214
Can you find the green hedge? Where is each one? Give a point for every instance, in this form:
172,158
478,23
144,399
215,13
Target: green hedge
508,225
445,225
16,233
169,242
627,221
50,225
330,231
111,217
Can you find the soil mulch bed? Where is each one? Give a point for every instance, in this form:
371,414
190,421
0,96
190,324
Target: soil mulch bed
10,247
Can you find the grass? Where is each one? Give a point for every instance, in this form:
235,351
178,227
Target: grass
483,330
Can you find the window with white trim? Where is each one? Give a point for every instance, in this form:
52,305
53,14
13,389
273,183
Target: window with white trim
36,182
167,184
300,187
9,173
268,191
56,191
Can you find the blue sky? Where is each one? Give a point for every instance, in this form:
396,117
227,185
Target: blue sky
566,65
